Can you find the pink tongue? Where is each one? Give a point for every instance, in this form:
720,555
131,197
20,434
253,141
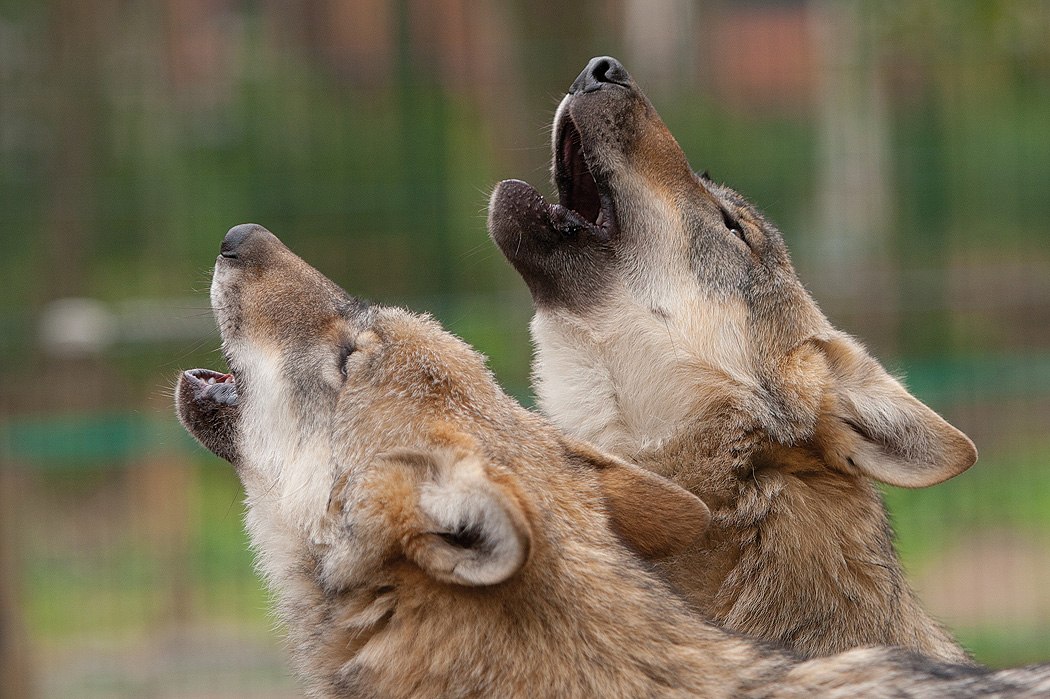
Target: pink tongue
224,378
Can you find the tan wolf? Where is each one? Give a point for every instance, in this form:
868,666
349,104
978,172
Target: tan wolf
671,330
427,537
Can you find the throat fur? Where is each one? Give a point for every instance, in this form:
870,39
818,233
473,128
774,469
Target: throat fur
794,548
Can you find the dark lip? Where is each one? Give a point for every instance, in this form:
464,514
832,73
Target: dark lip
583,189
212,385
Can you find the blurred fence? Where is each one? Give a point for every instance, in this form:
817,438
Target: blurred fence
903,148
126,552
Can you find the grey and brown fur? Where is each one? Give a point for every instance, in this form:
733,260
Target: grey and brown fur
671,330
425,536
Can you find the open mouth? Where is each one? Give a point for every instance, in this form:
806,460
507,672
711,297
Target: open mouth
579,190
206,403
211,385
584,203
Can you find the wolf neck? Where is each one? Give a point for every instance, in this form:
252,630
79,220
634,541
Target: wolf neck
797,553
626,377
353,643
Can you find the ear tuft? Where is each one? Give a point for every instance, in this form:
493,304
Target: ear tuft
655,517
473,531
872,425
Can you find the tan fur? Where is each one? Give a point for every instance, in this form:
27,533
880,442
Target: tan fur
463,547
680,338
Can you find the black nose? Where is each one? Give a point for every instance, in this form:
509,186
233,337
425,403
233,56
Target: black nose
233,244
601,70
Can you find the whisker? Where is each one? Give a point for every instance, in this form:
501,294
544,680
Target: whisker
475,250
194,348
670,337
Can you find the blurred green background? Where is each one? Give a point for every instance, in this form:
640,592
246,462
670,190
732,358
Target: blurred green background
904,148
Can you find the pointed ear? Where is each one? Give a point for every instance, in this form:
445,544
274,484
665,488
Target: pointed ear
871,424
655,517
472,529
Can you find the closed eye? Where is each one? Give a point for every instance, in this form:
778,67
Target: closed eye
733,226
344,353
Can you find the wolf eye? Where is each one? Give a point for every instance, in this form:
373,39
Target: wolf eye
733,225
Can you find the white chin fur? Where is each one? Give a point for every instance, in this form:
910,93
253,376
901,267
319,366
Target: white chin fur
626,379
287,472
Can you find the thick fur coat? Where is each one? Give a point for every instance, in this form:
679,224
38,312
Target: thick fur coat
671,330
425,536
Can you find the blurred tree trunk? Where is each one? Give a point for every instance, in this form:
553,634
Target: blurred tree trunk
424,139
15,675
659,42
853,271
79,33
82,40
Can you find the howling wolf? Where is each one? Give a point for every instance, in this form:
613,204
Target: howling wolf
671,329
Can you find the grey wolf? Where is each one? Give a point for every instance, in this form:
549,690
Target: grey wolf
425,536
671,329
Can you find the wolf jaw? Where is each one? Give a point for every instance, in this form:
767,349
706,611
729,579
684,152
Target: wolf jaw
213,417
687,343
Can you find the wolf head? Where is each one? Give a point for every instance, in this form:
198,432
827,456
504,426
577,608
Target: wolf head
663,297
335,409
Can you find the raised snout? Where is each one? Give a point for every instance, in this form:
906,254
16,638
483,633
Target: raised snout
249,243
601,71
261,289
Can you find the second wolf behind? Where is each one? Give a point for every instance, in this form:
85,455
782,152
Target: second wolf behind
672,330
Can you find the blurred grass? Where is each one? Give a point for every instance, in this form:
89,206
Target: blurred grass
1006,494
1003,491
125,588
